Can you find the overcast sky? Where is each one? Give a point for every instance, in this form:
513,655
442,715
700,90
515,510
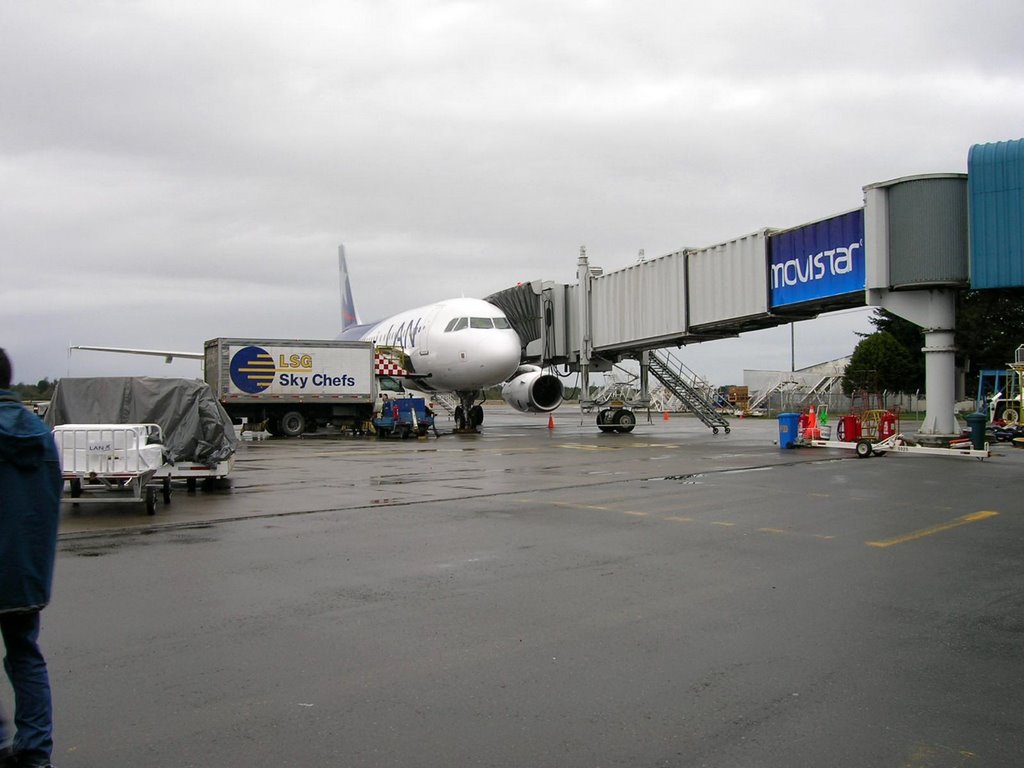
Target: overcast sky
175,171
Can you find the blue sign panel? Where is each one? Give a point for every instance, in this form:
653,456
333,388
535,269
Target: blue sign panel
818,261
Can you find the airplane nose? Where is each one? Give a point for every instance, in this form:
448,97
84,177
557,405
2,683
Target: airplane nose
503,355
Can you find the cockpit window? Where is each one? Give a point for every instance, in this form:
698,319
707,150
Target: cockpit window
456,325
481,322
451,325
502,323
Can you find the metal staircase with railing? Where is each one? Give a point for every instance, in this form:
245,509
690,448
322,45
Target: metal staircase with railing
824,386
693,392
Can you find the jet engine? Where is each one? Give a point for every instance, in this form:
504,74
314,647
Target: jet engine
530,390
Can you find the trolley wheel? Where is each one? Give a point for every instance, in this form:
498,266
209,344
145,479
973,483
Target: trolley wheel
167,490
150,500
863,449
714,430
727,430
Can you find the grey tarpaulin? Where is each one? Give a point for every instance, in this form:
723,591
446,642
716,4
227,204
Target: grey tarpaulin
196,427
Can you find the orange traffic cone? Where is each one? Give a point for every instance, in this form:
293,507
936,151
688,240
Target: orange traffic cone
664,416
812,432
551,422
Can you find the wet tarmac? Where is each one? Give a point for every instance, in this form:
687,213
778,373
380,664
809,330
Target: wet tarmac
550,597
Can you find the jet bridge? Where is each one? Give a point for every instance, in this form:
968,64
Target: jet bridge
906,250
689,296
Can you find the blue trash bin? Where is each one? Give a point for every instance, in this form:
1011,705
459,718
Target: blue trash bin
789,429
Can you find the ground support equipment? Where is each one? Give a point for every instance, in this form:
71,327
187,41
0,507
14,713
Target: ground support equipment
120,461
404,417
866,447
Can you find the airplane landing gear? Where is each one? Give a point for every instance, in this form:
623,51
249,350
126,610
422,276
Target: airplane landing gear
467,415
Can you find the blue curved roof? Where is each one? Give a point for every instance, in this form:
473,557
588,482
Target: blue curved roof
995,188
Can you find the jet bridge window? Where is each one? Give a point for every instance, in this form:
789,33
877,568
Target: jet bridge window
456,324
481,322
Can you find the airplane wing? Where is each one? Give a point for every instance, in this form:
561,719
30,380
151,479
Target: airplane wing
168,356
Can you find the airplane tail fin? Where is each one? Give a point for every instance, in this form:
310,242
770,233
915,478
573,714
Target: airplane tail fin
349,316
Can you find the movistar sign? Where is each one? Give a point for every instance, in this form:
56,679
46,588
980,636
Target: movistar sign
818,261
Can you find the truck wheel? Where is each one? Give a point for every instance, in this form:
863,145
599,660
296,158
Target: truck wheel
150,500
476,416
292,424
76,488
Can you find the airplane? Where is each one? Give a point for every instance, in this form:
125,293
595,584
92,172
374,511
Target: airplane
462,346
459,345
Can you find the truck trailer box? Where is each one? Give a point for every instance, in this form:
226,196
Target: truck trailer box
290,370
293,384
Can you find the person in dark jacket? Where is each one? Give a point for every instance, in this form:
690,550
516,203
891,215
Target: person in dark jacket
30,490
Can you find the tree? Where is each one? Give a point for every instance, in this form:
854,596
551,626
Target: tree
880,363
910,336
989,328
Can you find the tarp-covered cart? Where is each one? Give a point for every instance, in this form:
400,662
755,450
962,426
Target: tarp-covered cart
198,438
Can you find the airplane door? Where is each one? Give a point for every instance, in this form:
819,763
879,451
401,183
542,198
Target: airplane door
424,333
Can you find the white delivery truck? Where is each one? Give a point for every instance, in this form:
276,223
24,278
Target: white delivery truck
296,385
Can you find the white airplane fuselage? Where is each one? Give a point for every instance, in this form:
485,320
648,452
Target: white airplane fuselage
456,345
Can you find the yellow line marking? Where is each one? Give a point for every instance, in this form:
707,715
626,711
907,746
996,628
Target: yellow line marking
578,506
771,530
680,519
823,537
589,447
637,514
972,518
725,525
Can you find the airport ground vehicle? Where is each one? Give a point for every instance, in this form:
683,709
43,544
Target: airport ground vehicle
404,417
118,459
294,385
195,433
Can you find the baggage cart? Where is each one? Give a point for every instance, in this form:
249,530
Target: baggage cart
112,463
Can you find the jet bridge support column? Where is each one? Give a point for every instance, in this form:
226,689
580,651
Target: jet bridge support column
586,345
916,259
935,311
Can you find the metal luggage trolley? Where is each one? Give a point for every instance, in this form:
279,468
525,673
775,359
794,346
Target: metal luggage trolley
118,458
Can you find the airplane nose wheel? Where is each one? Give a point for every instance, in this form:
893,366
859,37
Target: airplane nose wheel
468,416
476,416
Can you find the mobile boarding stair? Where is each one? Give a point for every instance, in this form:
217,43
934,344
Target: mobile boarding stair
693,392
122,462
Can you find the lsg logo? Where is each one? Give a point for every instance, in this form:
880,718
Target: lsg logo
832,262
